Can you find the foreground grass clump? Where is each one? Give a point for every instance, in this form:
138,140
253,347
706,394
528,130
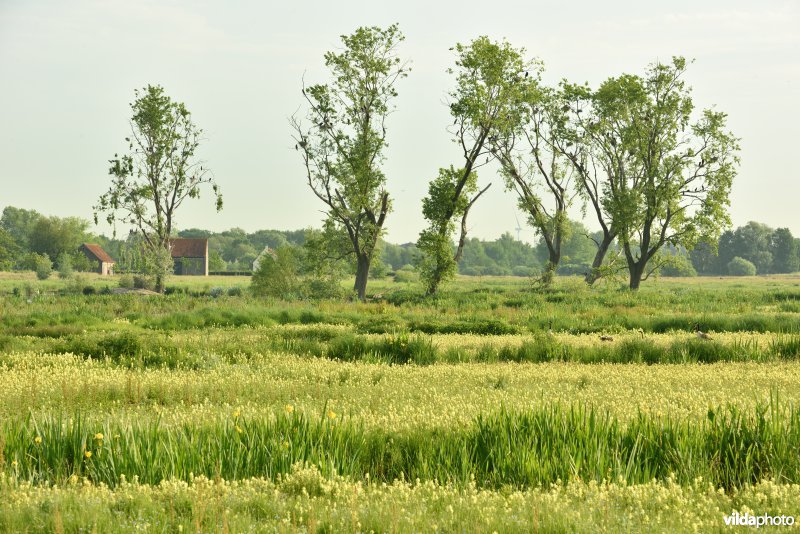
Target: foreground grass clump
728,448
304,500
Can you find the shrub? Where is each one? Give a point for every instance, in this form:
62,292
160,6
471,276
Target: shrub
524,270
126,281
141,281
216,291
321,288
678,265
89,290
741,267
75,285
570,269
404,276
235,291
43,266
64,265
277,274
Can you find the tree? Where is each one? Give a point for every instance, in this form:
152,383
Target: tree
491,83
537,163
9,251
594,149
159,172
704,256
577,248
674,184
785,254
437,262
19,224
64,265
55,236
343,144
751,242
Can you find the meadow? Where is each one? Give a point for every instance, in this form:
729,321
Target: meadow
495,406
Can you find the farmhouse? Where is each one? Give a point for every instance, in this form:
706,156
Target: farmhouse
101,262
190,256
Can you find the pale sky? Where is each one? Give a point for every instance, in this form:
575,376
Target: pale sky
68,70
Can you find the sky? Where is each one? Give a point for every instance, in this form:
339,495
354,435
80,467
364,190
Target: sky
68,70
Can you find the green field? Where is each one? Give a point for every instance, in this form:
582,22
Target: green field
493,407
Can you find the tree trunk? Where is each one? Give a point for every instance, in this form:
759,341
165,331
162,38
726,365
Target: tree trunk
602,249
362,274
636,270
554,257
159,284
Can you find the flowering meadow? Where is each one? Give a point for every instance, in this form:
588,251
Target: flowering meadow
496,406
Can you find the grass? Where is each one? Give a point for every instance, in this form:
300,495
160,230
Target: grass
729,448
492,391
306,501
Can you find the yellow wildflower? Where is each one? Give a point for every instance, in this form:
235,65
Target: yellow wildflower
88,454
99,435
236,413
37,440
239,429
331,414
289,408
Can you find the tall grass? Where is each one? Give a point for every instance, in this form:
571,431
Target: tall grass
729,448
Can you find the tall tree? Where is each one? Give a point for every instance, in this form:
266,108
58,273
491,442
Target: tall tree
343,143
676,184
492,82
159,172
537,163
594,148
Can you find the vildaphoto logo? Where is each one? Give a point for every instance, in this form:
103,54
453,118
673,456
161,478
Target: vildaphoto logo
748,520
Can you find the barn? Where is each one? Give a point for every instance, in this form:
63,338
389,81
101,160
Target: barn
101,262
190,256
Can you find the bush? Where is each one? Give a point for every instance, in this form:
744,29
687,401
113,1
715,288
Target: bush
235,291
64,265
43,266
321,288
678,265
277,274
570,269
126,281
406,274
524,270
89,290
75,285
741,267
141,281
216,291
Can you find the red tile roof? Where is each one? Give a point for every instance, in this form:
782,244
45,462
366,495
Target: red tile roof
188,248
98,252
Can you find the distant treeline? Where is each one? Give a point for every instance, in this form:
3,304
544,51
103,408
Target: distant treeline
27,236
